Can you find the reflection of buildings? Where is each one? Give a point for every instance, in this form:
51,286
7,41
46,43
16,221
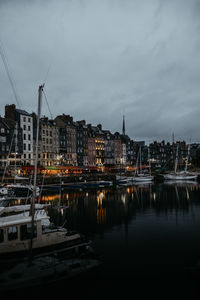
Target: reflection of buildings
101,210
98,210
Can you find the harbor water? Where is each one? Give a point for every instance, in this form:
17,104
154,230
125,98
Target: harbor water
141,233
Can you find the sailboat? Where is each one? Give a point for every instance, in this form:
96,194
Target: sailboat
31,231
181,175
142,177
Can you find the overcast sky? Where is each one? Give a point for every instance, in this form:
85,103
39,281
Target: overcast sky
101,59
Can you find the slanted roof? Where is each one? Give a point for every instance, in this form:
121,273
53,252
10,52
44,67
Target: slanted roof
18,219
22,112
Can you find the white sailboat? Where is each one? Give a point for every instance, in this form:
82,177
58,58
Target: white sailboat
181,175
142,177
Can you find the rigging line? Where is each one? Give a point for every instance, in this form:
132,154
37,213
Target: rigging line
47,104
11,80
7,161
47,74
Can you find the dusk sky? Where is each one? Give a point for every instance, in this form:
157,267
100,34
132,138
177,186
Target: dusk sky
100,59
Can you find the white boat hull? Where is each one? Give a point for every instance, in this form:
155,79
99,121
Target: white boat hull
143,179
180,177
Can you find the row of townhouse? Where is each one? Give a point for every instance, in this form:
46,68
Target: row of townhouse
163,154
62,141
66,142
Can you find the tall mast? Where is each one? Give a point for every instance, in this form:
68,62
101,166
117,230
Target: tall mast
149,160
176,161
32,208
16,132
187,159
36,150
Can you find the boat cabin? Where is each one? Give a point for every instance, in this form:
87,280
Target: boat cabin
17,229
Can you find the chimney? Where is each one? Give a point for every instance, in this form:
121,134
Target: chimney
10,111
99,126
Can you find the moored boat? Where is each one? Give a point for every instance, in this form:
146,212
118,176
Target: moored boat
31,232
16,232
180,176
44,271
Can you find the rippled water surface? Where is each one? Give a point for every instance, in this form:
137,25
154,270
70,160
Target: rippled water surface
143,231
147,238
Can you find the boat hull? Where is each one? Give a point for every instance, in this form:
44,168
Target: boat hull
179,177
44,271
73,246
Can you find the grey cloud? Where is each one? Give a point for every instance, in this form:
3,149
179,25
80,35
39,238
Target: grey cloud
102,58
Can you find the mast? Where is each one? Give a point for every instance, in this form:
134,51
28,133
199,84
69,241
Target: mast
36,150
32,208
16,132
187,159
149,161
176,161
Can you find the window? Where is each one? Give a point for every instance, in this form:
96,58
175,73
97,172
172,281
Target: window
29,128
12,233
29,120
24,118
26,231
29,147
24,127
29,137
24,146
24,136
1,236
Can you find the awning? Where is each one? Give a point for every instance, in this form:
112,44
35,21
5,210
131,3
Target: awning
51,168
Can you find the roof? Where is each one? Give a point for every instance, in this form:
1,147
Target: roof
23,218
22,112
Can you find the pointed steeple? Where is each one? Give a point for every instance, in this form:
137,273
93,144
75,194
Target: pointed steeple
123,126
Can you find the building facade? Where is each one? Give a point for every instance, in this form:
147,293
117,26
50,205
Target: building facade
49,150
25,123
68,140
11,143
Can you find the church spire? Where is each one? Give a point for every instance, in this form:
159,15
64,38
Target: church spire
123,126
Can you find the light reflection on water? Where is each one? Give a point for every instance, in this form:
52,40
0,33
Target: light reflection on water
109,207
139,231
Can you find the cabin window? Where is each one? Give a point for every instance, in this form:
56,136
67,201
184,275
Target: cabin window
1,236
26,231
12,233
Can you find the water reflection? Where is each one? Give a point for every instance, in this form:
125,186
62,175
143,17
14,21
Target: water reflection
141,230
98,210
